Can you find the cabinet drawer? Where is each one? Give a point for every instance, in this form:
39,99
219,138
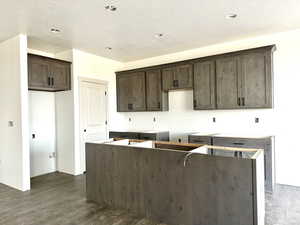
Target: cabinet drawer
128,135
200,139
145,136
238,142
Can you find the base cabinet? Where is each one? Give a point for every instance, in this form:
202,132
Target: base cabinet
154,136
266,143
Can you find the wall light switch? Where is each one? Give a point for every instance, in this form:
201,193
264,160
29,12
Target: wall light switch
10,123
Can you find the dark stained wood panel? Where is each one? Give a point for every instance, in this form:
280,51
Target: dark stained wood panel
256,80
209,190
48,74
228,83
204,85
38,73
157,99
131,92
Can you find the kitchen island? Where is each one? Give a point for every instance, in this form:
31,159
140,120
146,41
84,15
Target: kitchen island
179,184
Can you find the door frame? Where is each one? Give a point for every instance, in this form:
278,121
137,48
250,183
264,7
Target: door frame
93,81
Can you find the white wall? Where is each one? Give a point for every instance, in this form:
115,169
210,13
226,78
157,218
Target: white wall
281,121
42,124
87,65
14,151
64,104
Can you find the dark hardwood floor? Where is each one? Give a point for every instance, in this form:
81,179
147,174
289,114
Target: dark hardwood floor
59,199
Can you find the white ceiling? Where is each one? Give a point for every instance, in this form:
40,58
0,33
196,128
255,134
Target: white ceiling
130,30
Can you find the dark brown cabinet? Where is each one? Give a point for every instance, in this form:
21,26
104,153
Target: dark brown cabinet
46,74
131,92
265,142
204,85
236,80
228,83
177,77
143,135
256,88
157,100
245,80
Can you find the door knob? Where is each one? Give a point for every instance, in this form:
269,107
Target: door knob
84,130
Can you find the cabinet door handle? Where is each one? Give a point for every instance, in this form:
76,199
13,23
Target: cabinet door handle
52,81
158,105
243,101
238,143
239,101
175,83
49,81
195,103
130,106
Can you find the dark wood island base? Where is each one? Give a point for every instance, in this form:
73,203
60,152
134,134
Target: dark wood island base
176,185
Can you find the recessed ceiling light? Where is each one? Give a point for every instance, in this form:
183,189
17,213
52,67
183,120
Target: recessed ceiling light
159,35
55,30
110,8
231,16
108,48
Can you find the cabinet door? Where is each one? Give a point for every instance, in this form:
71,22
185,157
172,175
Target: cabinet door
256,80
168,75
184,77
154,90
60,76
228,83
204,85
124,93
38,73
131,92
138,98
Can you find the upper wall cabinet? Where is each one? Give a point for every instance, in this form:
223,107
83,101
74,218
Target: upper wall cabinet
228,83
245,80
204,85
141,91
256,78
131,92
178,77
47,74
157,100
236,80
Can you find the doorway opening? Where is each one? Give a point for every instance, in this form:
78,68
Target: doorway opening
93,114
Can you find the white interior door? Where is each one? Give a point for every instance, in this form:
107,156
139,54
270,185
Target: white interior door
42,133
93,115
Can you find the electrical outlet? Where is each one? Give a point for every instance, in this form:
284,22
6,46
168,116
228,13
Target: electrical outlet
256,120
214,120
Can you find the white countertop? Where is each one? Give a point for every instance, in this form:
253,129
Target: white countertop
139,131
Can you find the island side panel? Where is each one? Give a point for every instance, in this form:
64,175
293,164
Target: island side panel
91,172
221,190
